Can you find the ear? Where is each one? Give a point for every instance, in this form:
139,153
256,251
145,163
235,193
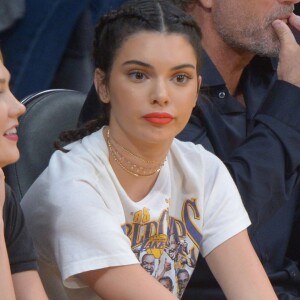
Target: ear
206,3
199,83
101,86
198,88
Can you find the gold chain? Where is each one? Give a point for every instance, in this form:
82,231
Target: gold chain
134,169
129,152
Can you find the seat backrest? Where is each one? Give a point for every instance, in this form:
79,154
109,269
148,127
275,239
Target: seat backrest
48,114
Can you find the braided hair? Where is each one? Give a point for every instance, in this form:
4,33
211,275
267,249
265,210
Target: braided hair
116,27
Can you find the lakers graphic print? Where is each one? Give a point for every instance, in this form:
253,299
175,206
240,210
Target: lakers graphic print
167,247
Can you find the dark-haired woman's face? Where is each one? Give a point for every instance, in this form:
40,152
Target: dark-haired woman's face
10,110
152,88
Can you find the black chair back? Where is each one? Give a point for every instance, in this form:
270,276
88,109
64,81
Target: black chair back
48,114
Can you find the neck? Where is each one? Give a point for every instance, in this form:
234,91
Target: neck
230,62
148,151
136,174
134,164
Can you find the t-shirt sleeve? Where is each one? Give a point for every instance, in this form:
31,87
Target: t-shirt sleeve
19,244
224,212
75,227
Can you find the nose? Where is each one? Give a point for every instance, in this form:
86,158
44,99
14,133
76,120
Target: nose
160,93
16,108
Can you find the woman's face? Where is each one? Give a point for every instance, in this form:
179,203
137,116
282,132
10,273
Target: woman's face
10,110
152,89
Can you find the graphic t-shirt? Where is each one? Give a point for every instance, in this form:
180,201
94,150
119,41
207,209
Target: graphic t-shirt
166,246
82,219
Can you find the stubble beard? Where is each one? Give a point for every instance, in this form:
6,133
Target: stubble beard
259,39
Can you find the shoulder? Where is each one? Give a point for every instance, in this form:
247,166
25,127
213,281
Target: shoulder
19,243
69,176
83,157
12,213
193,154
191,162
11,203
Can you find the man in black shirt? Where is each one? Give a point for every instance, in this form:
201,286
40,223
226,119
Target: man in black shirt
248,115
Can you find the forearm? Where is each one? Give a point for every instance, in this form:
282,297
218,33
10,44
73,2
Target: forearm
130,282
238,270
6,284
28,286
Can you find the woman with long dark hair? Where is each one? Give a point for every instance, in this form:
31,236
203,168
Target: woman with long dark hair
126,205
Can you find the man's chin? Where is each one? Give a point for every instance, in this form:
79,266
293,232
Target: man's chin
272,53
266,48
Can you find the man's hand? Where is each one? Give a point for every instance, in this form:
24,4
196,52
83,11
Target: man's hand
289,56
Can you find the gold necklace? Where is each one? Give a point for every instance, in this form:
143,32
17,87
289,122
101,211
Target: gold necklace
132,168
132,154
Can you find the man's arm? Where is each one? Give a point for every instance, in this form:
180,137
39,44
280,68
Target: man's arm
265,166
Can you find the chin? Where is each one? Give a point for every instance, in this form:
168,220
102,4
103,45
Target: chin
9,159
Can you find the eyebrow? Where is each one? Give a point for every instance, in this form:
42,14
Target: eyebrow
140,63
2,80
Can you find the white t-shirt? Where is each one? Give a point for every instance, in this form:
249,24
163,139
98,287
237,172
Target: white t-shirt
81,218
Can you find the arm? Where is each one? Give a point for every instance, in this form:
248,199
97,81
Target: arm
6,285
271,145
126,282
280,115
24,281
28,286
238,270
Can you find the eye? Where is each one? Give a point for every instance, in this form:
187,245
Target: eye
182,78
137,76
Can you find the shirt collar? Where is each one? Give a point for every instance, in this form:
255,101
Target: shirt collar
212,77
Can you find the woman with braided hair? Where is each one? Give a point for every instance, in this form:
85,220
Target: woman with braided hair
125,204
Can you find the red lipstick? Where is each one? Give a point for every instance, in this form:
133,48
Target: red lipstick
159,118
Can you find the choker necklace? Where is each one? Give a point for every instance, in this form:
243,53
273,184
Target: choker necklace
129,166
130,153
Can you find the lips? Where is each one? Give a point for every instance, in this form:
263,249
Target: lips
159,118
11,134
